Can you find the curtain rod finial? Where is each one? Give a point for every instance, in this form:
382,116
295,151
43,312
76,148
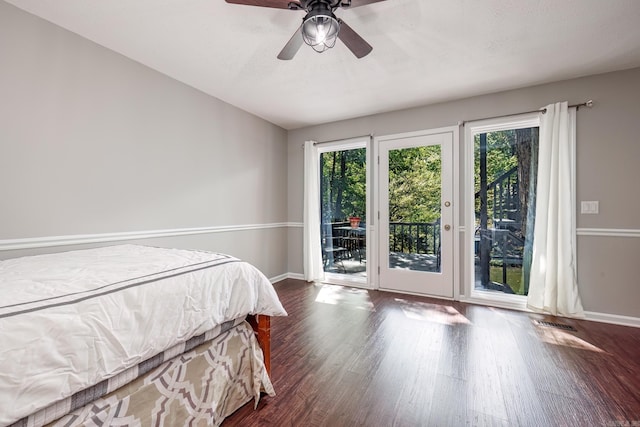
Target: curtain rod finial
589,103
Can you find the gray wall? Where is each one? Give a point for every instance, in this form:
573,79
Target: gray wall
608,155
92,142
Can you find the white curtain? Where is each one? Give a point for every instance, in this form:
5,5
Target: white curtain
312,250
553,284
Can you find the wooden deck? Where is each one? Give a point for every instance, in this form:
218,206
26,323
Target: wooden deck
353,264
352,357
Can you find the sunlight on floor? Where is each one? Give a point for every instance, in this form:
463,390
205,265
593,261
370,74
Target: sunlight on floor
342,295
563,338
443,314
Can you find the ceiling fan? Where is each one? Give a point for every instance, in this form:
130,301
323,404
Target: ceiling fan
320,28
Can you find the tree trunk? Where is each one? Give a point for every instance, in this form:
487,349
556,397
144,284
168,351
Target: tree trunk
332,183
530,219
342,184
485,242
523,154
323,191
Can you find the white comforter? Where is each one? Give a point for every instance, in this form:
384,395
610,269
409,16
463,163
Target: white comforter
71,320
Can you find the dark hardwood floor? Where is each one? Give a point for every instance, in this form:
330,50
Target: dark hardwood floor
349,357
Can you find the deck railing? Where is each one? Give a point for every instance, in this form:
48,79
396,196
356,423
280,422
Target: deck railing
342,242
503,200
407,237
415,237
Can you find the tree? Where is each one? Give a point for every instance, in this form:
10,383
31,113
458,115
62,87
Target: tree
415,184
343,184
526,144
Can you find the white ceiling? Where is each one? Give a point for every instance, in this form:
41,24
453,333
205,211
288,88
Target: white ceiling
424,51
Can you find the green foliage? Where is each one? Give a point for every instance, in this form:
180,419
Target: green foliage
514,277
343,184
415,184
414,179
500,155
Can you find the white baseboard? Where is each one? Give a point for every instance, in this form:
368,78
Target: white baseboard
593,316
281,277
612,318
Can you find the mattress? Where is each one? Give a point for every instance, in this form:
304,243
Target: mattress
70,321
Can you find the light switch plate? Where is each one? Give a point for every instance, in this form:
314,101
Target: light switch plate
589,207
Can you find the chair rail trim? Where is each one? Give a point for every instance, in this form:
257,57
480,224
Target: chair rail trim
81,239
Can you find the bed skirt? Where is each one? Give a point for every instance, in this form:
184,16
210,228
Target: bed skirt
202,386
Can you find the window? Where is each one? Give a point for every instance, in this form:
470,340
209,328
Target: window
502,178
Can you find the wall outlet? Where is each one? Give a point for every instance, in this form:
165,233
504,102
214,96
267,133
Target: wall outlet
590,207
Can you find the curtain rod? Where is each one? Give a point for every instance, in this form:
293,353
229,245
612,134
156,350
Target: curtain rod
370,135
588,104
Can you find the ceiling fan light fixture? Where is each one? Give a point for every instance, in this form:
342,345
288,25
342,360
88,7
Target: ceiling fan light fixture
320,28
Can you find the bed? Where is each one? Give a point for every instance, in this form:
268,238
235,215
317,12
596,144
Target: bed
132,335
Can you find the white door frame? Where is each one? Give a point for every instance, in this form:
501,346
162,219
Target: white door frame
375,243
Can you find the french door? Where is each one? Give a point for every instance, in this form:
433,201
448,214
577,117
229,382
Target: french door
416,235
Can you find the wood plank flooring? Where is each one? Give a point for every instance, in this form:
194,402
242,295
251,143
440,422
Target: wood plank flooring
350,357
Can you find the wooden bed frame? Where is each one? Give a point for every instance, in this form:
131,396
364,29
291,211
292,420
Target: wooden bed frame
262,326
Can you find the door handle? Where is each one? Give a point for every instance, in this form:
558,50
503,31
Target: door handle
447,227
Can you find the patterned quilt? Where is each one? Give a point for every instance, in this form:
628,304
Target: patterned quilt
200,387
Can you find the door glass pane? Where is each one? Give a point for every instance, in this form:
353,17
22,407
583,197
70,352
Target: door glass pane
504,183
415,188
343,191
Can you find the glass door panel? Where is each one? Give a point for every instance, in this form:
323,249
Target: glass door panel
505,167
343,191
415,194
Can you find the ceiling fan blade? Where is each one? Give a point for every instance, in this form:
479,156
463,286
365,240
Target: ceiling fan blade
353,41
292,46
357,3
279,4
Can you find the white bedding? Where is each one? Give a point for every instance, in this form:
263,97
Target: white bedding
71,320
